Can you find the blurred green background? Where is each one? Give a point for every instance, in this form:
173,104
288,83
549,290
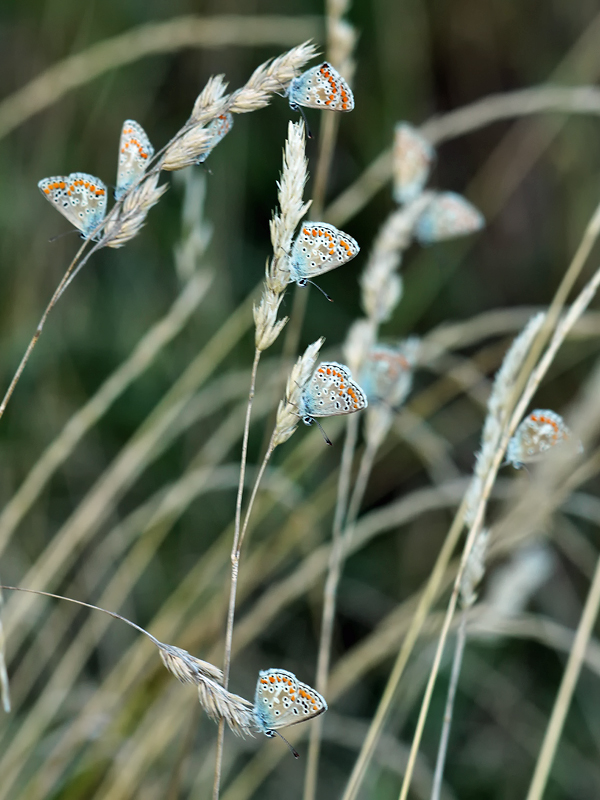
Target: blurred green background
536,181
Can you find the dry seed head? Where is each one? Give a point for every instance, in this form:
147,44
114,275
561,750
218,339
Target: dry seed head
268,327
188,668
272,77
292,207
187,149
221,704
132,215
359,340
287,412
493,427
341,41
474,569
211,101
214,699
378,422
381,287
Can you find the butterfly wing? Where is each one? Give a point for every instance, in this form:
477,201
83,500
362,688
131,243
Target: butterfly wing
537,433
219,128
281,700
331,392
135,152
319,248
321,87
447,216
80,197
413,156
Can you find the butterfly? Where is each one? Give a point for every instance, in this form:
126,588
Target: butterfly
330,392
80,197
218,128
320,87
135,152
387,373
447,216
412,159
319,248
536,434
281,700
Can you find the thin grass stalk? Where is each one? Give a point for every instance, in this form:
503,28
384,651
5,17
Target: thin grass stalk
461,638
235,564
341,541
328,614
565,692
533,381
41,323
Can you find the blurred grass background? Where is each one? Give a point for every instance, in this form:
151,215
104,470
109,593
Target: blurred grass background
535,180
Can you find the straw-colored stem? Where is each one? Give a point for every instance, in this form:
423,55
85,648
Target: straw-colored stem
234,569
420,615
565,692
533,381
461,638
341,542
235,562
244,456
328,613
41,323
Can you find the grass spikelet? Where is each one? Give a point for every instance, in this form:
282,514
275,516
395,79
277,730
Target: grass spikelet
287,412
501,391
133,213
188,668
381,286
206,106
270,78
290,191
220,704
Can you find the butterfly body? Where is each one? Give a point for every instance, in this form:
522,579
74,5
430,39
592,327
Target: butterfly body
319,248
281,700
321,87
218,128
135,153
331,392
79,197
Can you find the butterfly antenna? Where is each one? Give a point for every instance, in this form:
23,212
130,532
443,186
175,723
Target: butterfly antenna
327,439
296,107
293,751
323,292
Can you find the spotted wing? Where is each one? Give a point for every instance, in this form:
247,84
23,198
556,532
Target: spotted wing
332,392
536,434
321,87
80,197
135,152
218,128
281,700
413,156
447,216
387,373
319,248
